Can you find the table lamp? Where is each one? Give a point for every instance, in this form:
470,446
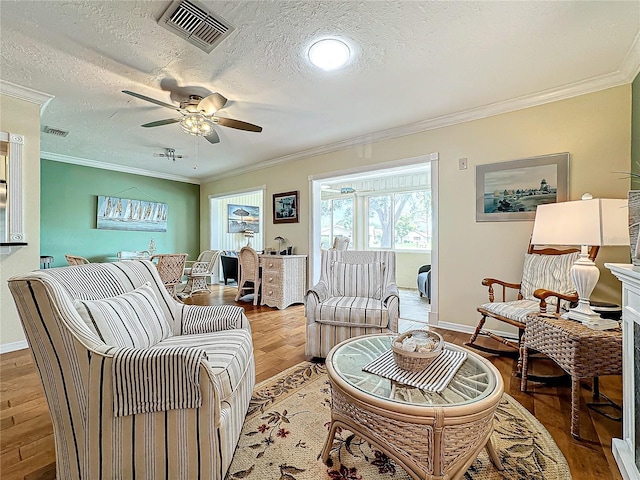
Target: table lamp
587,222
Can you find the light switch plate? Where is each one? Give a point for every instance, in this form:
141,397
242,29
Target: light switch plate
462,164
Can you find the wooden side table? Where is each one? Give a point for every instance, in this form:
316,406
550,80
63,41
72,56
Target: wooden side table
578,350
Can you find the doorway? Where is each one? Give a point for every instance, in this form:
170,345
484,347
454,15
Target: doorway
390,206
236,220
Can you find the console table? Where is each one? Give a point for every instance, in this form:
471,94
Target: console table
284,279
626,451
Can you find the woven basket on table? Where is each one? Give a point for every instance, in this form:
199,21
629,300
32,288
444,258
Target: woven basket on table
416,361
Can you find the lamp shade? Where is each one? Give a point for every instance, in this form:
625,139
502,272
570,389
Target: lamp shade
597,221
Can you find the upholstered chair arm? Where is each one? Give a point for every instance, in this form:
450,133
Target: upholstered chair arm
320,290
314,297
392,303
390,291
215,318
542,294
164,448
489,282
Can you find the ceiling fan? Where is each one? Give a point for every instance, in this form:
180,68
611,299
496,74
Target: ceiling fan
198,116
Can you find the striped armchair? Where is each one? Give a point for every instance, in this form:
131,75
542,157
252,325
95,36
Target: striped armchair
356,295
138,385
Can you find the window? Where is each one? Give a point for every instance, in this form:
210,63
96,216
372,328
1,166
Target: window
336,219
406,226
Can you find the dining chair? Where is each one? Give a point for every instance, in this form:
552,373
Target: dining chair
197,272
171,268
75,260
249,273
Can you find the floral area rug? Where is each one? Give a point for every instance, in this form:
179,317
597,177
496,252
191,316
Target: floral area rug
288,422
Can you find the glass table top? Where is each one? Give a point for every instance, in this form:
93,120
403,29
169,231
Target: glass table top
474,380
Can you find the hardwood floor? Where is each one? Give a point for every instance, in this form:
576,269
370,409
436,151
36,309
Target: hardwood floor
26,440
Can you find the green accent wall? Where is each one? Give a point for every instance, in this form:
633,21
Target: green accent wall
68,204
635,132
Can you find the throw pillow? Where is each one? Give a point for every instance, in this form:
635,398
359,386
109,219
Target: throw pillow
357,279
132,319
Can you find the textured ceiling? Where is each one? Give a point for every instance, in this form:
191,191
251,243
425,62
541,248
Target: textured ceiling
413,62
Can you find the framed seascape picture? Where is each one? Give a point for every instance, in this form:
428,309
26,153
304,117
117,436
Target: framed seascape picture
509,191
243,218
286,207
116,213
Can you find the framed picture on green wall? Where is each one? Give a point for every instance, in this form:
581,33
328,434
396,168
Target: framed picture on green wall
116,213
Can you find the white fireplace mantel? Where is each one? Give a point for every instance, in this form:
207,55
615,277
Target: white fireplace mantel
627,450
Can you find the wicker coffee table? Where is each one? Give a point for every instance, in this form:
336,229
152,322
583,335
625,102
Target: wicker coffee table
432,436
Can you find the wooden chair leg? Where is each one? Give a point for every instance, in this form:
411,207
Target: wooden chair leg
481,323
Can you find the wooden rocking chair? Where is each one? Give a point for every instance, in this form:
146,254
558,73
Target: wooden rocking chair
546,282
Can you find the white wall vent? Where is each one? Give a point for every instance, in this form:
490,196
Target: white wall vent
193,22
55,131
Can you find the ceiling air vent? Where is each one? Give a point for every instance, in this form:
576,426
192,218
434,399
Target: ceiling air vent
196,24
55,131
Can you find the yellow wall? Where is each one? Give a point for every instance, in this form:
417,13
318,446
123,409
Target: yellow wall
595,129
21,117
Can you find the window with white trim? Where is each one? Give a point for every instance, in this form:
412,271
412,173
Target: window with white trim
399,221
336,220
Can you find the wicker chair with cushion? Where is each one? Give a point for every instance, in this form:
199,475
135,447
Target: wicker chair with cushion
356,295
75,260
103,337
197,272
249,273
170,267
340,242
546,281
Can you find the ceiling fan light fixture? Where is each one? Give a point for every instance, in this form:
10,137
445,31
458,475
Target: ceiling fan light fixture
329,54
196,124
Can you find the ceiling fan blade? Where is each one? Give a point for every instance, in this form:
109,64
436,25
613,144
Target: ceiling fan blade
240,125
212,103
152,100
213,137
159,123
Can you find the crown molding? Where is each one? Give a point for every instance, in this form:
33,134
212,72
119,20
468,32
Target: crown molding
622,77
631,64
56,157
28,94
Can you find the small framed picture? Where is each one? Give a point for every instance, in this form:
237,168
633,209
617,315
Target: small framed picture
286,207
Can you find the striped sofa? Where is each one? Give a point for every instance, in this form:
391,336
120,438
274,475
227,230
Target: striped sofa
356,295
137,384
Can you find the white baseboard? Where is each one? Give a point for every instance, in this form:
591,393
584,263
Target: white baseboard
456,327
12,347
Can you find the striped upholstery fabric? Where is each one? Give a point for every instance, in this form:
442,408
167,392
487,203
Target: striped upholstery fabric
516,310
334,316
137,372
76,369
552,272
229,355
357,279
352,311
131,319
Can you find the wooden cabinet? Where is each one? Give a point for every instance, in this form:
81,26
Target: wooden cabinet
284,279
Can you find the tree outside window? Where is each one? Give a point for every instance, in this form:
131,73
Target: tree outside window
406,226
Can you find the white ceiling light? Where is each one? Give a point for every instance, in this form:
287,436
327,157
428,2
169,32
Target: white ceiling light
329,54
